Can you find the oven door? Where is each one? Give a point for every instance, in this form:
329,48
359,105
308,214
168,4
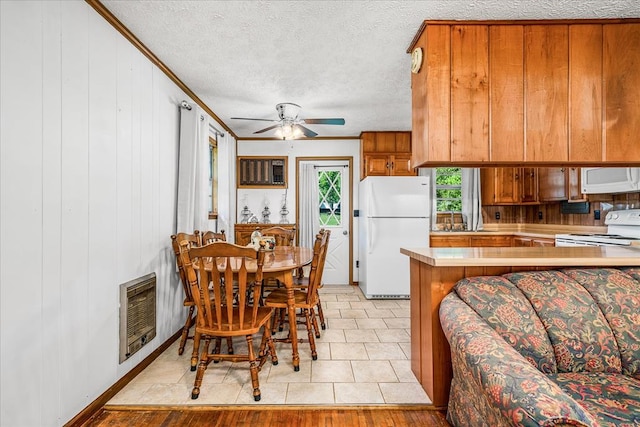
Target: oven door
562,242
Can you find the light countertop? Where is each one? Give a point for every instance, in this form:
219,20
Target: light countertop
525,230
587,256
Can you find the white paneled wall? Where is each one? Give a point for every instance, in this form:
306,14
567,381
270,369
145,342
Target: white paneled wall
293,150
89,143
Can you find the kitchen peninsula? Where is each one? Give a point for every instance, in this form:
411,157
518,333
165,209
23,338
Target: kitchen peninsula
434,272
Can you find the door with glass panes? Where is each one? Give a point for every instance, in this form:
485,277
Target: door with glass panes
333,195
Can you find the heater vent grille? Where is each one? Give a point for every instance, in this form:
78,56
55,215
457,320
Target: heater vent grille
137,314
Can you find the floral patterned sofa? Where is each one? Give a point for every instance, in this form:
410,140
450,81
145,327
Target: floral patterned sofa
540,348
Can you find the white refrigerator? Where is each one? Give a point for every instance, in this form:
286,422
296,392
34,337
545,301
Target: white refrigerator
394,212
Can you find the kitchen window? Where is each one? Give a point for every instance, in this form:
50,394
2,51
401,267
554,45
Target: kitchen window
456,198
448,189
213,178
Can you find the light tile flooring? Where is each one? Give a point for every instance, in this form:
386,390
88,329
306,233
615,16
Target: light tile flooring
363,359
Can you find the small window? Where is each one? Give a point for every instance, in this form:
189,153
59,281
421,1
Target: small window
213,178
448,189
330,195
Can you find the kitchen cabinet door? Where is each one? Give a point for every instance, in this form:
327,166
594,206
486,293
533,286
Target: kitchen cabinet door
529,185
621,63
500,186
403,142
585,102
470,93
519,241
491,241
506,87
546,92
543,242
385,142
376,165
552,184
401,165
574,186
451,241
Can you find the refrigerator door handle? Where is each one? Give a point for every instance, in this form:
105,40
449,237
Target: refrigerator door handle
371,235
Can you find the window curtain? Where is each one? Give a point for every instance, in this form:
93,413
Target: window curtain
192,211
308,205
431,173
471,200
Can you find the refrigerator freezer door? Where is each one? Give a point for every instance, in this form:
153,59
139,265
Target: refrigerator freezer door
385,271
400,196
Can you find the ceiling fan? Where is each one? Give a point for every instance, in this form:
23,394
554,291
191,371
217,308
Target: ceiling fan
289,125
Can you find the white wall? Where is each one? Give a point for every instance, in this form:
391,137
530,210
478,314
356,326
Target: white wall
89,138
294,149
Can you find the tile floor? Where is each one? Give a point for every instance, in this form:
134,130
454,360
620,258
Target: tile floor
363,359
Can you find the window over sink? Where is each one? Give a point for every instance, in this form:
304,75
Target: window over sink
448,189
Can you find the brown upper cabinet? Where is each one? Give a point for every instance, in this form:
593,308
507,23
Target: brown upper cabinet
516,186
386,154
536,92
552,184
509,186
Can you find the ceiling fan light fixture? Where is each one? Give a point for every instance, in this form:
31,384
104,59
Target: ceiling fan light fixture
289,125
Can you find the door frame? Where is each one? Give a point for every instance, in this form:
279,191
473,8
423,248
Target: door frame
349,160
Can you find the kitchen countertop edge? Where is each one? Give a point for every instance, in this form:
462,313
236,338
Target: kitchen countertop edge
587,256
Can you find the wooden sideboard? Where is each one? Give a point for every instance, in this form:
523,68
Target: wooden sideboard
434,272
242,234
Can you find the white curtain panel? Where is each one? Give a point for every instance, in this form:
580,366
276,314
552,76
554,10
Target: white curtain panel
309,203
471,200
431,173
193,169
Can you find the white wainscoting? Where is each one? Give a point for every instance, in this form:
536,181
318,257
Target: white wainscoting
88,192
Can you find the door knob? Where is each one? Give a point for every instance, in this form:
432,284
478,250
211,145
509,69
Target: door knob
345,232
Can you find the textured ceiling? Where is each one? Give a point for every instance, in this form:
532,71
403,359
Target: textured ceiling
334,58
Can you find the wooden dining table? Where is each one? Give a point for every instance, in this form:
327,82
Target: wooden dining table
280,264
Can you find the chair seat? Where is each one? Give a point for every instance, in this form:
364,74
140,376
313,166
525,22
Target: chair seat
263,316
279,298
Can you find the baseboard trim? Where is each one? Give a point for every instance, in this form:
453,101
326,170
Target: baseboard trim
95,406
387,407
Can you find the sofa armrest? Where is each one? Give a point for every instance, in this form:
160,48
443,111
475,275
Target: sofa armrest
503,386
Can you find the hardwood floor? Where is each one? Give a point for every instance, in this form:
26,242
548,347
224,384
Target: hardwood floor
256,417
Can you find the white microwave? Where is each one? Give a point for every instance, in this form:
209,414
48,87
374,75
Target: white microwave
610,180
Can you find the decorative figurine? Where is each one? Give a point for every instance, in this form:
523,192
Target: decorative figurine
284,211
265,215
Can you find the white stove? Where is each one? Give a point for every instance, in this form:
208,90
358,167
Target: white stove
623,229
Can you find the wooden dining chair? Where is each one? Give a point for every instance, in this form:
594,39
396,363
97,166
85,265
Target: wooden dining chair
283,236
212,236
192,240
305,299
303,282
226,312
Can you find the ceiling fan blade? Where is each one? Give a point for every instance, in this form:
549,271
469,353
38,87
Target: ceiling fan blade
257,120
307,132
266,129
324,121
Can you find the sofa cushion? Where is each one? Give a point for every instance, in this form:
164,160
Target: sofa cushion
579,333
493,385
618,296
633,272
613,398
510,314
